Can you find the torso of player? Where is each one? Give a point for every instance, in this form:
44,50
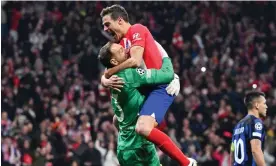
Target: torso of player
151,58
126,106
242,132
243,128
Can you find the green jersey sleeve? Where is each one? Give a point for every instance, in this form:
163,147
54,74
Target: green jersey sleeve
152,76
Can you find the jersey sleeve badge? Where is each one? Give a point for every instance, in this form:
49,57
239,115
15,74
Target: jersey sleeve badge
258,126
140,71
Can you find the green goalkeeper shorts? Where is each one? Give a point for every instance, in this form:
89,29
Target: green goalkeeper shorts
144,156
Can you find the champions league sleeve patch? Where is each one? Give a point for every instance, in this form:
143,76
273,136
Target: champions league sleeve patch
258,126
140,71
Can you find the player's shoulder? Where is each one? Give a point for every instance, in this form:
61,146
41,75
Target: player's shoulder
127,74
133,73
123,73
245,121
258,123
258,120
138,26
255,120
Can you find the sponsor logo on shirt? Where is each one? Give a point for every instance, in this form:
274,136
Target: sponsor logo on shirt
136,36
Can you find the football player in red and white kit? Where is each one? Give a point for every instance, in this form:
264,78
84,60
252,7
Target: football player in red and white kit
144,53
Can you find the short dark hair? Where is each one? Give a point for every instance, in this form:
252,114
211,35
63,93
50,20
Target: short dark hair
250,97
105,55
115,12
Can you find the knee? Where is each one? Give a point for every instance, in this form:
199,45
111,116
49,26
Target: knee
143,129
144,126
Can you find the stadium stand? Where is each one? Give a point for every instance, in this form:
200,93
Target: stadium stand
55,112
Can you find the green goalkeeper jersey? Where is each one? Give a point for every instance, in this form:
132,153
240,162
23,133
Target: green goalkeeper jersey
128,103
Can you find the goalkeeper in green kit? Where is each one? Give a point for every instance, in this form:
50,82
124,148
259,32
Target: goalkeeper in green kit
133,149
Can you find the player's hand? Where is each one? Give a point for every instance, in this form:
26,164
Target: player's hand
174,87
114,82
108,73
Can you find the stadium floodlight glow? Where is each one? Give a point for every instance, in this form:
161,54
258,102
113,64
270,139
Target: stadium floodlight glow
203,69
254,86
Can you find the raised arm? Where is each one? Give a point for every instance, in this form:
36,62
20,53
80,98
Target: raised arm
136,53
153,76
138,42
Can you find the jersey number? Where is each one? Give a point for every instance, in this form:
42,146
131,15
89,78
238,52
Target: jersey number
121,115
239,147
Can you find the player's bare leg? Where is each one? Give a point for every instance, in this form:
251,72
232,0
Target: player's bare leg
145,124
146,127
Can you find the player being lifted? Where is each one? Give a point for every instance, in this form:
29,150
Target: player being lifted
249,135
133,149
143,53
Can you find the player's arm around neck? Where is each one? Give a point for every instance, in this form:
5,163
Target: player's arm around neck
136,53
257,152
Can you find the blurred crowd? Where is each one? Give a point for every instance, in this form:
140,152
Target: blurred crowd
55,112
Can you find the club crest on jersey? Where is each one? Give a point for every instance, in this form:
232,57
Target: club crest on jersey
258,126
127,43
140,71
